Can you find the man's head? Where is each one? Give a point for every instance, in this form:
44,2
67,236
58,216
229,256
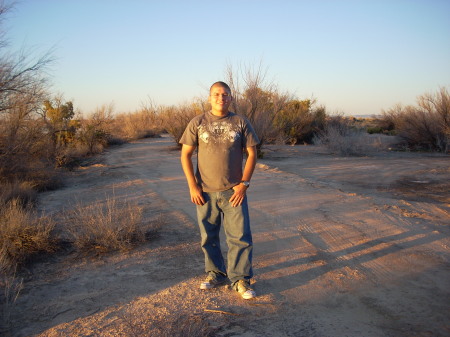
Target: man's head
220,84
220,98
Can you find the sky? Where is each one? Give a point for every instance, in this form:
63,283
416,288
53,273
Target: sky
353,57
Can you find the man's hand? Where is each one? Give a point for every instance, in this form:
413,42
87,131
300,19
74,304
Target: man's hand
238,196
197,195
240,190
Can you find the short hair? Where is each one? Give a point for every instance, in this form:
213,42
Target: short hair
222,84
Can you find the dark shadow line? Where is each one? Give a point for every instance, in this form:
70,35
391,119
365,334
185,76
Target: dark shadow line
323,253
284,282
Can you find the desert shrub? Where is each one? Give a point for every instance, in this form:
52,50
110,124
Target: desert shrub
425,126
341,137
23,191
73,154
58,117
390,119
91,138
104,227
135,126
300,121
23,234
93,131
144,123
26,150
26,153
174,119
77,138
374,129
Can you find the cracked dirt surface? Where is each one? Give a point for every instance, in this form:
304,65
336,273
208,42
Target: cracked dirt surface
354,246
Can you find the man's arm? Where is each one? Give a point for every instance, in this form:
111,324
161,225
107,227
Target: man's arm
186,162
240,190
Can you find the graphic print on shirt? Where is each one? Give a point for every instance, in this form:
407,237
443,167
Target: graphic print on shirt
219,132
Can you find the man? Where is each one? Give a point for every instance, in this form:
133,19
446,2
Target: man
219,186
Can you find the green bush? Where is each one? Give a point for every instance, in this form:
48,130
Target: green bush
374,129
299,121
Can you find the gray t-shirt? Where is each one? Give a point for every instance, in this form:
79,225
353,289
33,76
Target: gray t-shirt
221,142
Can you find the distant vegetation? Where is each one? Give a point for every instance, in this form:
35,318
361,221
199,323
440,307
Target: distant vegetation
281,117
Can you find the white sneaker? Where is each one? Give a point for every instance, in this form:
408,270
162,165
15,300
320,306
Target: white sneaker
243,288
212,280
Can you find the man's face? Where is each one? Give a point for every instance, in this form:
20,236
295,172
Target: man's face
220,99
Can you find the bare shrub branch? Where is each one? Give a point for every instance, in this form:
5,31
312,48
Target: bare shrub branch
425,126
144,123
256,98
20,75
176,118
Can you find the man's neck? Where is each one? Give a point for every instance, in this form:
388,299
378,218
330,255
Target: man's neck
220,113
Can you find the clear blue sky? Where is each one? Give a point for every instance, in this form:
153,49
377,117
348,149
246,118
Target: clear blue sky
355,57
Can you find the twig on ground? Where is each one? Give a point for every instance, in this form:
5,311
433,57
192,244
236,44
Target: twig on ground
221,312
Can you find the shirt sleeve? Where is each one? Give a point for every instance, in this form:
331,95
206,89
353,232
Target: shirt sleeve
189,136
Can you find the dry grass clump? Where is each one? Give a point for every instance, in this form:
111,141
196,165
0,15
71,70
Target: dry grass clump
23,191
103,227
23,234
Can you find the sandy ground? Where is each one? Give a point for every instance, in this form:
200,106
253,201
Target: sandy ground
354,246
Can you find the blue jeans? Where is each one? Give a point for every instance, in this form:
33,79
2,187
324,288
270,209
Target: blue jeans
236,225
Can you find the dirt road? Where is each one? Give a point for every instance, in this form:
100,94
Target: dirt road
342,247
